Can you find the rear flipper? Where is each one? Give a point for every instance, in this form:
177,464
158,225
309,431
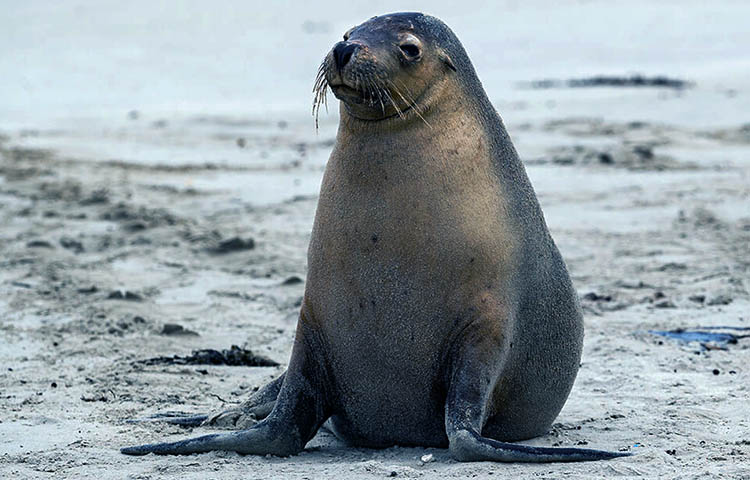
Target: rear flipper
475,368
300,409
250,412
466,445
266,438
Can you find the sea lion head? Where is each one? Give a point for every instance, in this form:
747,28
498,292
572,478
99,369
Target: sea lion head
388,67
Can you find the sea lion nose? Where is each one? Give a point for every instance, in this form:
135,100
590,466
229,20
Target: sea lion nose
342,53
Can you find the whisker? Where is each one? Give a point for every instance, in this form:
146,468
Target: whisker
320,90
358,83
373,89
393,102
370,95
413,104
379,95
411,97
319,77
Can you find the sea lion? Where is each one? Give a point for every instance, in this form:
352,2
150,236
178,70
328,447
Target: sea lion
438,311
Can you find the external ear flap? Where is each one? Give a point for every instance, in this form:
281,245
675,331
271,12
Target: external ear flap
447,60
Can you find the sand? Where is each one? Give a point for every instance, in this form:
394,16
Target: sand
119,221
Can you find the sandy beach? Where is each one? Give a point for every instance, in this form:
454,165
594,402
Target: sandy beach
147,215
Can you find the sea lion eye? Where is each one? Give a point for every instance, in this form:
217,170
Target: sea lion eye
410,46
410,50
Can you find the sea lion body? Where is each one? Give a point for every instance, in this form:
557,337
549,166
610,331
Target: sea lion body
434,224
437,309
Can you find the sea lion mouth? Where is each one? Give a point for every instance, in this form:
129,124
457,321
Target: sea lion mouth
346,93
367,98
376,98
353,95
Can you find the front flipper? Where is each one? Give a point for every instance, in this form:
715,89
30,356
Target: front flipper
300,409
475,368
173,418
253,410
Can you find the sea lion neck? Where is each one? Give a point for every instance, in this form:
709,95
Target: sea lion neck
449,146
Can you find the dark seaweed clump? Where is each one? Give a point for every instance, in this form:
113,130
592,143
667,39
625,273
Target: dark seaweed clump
636,80
235,357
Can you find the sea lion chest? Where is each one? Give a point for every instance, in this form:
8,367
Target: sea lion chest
406,229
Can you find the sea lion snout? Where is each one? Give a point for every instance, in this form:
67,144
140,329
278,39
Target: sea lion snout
343,52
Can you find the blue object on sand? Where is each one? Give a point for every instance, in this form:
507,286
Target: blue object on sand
696,336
